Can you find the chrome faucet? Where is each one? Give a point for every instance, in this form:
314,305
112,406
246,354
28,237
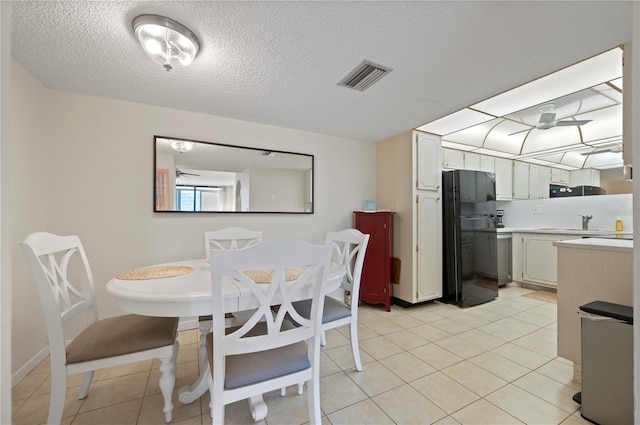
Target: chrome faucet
585,221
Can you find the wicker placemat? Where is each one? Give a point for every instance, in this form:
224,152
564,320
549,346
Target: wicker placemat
265,276
158,272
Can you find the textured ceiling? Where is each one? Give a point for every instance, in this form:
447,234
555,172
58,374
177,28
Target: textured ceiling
279,63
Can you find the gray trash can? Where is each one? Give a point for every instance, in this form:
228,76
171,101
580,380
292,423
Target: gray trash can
607,363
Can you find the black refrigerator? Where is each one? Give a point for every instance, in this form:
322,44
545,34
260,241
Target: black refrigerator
470,254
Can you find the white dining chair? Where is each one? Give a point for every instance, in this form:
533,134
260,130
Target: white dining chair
230,238
349,249
268,352
65,283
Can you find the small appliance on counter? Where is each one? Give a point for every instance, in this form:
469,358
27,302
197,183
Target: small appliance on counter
556,191
499,219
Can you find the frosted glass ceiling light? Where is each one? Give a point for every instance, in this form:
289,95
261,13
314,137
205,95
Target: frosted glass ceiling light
166,41
181,146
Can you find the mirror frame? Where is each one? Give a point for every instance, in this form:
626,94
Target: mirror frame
247,148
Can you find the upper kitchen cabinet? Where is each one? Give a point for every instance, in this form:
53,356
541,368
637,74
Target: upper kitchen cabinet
471,161
427,166
585,177
487,163
534,181
452,159
520,180
504,179
539,177
530,181
560,176
545,181
414,194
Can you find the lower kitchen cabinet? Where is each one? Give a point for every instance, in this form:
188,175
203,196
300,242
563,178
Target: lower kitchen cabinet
504,179
535,259
375,283
429,248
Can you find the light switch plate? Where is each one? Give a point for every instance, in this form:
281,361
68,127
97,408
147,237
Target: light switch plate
537,209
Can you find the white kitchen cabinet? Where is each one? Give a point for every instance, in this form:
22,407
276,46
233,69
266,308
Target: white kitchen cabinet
428,170
410,192
504,179
560,176
585,177
535,258
471,161
520,180
545,179
452,159
487,163
539,177
429,247
534,181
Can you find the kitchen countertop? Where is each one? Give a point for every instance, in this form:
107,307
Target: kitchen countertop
575,231
600,244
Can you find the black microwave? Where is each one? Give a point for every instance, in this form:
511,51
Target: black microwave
562,191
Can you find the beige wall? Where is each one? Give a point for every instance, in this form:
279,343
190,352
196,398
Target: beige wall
5,216
29,206
93,164
613,182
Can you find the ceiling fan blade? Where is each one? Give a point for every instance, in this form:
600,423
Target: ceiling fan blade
521,131
614,149
180,173
572,122
596,152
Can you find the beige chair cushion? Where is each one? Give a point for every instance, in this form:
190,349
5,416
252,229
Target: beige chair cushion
120,335
333,309
250,368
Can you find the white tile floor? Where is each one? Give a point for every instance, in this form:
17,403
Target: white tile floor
436,363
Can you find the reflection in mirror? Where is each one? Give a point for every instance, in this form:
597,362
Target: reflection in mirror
194,176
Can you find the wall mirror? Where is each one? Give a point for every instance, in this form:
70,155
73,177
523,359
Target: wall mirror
195,176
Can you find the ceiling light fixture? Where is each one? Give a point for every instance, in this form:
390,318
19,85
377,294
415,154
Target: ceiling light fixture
181,146
165,40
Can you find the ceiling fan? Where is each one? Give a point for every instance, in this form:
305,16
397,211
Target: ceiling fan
180,173
548,120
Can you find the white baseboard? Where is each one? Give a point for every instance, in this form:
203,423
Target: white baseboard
31,364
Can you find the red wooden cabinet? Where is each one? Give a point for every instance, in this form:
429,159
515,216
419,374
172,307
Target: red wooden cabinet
375,284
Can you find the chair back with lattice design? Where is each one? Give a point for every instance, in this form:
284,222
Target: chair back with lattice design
273,273
231,238
64,280
349,248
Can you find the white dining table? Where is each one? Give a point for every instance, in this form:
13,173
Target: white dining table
189,295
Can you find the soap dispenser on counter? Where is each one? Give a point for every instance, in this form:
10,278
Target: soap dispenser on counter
619,224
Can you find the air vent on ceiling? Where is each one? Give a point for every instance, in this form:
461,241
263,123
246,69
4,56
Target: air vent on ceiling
364,75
